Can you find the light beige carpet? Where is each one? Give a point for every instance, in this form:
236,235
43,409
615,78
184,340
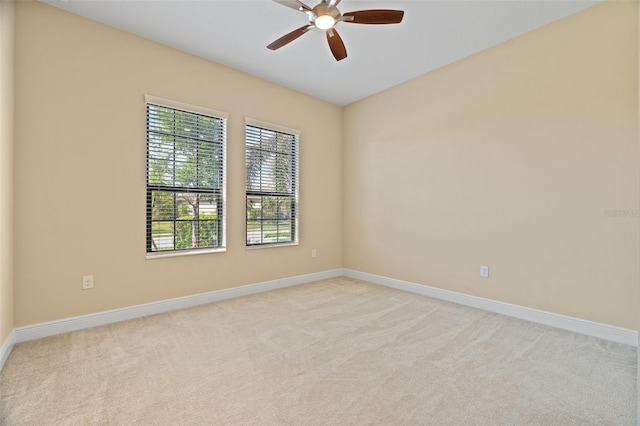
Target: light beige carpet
334,352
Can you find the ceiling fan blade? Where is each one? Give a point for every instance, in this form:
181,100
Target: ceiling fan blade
294,4
288,38
336,44
374,16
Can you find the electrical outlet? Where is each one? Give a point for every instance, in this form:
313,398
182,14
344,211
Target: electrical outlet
87,282
484,271
314,253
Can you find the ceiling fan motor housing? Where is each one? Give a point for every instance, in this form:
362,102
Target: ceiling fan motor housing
324,9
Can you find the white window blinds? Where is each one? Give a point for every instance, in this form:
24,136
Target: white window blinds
185,180
271,185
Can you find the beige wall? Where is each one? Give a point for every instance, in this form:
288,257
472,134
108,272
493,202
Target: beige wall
6,167
508,158
80,169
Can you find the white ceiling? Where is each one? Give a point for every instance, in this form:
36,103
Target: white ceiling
235,33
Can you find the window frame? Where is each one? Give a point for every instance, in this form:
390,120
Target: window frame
221,218
295,176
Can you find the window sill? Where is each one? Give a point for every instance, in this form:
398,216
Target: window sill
264,246
161,255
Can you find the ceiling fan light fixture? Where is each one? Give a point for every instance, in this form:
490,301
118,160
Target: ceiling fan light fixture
325,15
325,22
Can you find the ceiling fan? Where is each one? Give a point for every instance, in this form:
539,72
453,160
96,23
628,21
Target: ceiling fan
325,15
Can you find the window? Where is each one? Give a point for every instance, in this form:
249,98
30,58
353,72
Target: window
272,184
185,177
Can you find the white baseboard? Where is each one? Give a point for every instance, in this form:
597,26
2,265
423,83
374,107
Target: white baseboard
66,325
603,331
6,348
